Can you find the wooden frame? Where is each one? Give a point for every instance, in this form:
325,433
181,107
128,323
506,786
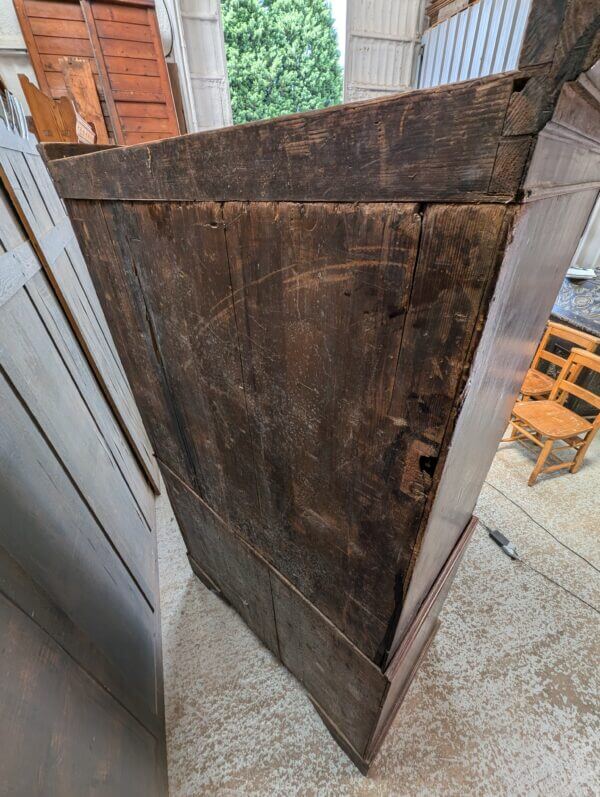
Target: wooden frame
326,319
121,42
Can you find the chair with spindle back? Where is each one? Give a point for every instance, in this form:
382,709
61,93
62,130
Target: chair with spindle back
544,422
537,384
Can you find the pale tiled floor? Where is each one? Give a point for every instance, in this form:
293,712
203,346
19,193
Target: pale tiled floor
506,702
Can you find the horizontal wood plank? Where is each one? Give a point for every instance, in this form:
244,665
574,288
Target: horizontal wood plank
50,9
146,124
156,110
123,49
131,66
447,151
55,45
123,31
120,13
65,29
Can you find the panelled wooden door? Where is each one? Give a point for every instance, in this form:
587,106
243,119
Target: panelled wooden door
122,42
81,706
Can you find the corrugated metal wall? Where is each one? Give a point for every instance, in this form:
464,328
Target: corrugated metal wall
382,41
484,39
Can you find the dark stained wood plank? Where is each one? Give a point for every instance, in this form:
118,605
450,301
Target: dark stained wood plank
343,683
75,733
446,150
117,284
321,294
208,393
54,151
219,554
542,31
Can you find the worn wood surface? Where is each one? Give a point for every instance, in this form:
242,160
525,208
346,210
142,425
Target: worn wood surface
43,215
121,44
446,151
81,675
81,89
300,304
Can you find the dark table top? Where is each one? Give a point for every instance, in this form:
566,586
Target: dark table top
578,304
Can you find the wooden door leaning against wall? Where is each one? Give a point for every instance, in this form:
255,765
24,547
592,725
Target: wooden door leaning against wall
81,671
122,43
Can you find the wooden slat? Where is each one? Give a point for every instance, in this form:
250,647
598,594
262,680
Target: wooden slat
118,13
138,138
65,29
147,124
156,110
74,437
580,392
447,151
55,45
131,66
123,31
122,49
69,276
56,324
50,9
137,84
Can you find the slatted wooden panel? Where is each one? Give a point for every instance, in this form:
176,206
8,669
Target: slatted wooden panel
122,43
42,213
81,674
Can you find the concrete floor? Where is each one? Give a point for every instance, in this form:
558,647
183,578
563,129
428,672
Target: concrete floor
506,702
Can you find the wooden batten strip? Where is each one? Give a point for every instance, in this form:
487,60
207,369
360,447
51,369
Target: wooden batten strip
17,267
446,152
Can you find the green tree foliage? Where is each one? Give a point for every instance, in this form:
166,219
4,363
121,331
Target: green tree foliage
282,57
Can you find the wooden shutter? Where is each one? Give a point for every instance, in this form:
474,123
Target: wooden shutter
122,42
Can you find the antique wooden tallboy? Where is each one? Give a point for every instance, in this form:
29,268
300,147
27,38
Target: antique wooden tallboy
325,319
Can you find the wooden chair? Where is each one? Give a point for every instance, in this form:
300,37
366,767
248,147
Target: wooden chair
538,385
543,422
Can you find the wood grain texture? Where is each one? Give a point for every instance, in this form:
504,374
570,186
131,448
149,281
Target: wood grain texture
81,88
120,42
41,212
79,741
438,144
81,675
